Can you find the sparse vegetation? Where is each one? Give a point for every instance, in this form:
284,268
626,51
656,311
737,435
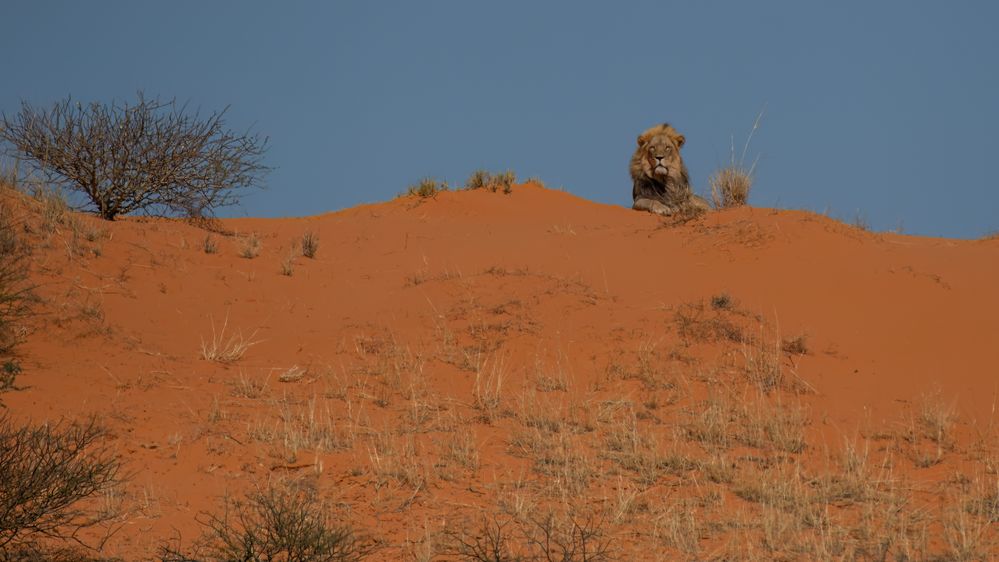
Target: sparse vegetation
48,473
497,422
149,156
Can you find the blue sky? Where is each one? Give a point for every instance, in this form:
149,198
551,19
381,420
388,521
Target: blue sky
360,99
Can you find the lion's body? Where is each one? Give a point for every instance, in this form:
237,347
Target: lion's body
661,182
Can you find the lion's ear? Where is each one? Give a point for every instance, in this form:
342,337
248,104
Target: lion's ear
680,139
643,138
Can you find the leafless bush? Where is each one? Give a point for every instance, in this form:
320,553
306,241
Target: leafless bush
47,471
151,156
41,553
569,538
283,522
539,536
9,370
490,542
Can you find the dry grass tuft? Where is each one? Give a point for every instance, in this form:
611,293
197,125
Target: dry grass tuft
695,323
426,188
288,264
310,244
536,181
505,181
210,245
730,186
251,246
225,350
487,392
481,179
797,345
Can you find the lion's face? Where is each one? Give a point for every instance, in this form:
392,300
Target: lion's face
659,153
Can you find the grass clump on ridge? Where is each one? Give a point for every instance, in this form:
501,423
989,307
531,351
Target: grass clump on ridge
481,179
427,187
730,186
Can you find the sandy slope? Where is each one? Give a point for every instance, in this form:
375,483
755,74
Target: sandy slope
408,301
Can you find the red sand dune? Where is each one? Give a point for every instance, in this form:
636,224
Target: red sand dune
582,307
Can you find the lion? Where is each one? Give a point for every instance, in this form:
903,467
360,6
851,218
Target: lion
661,183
